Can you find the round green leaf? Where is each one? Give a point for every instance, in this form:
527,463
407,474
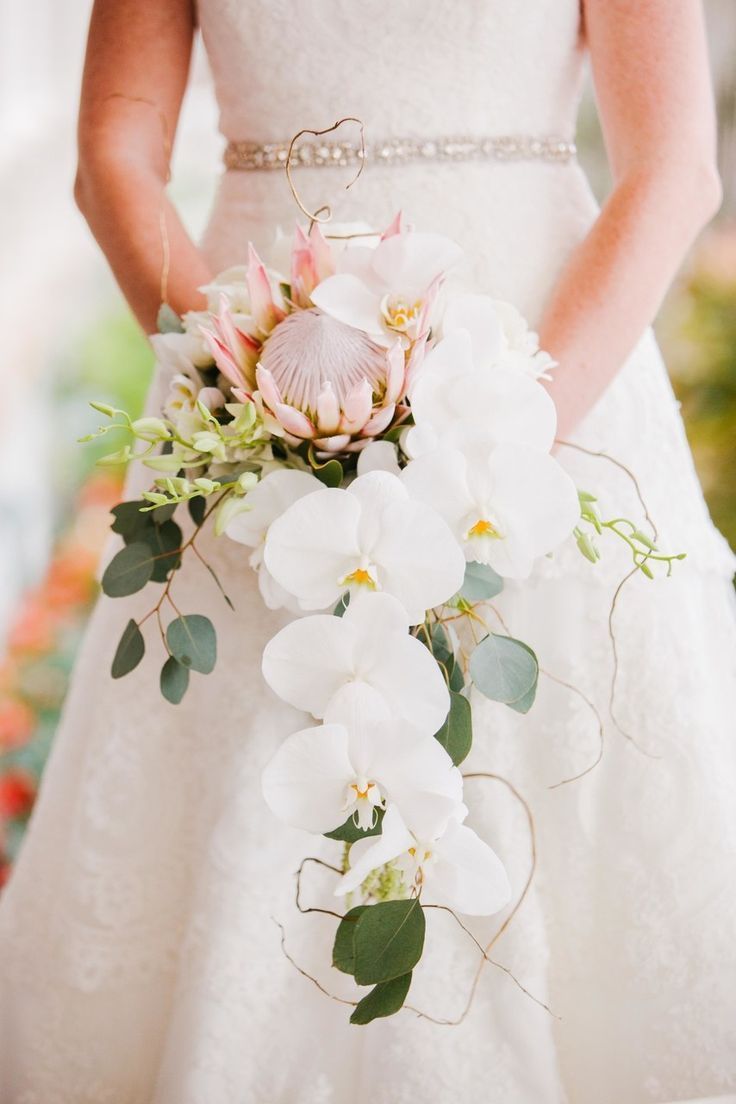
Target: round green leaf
343,950
480,583
503,669
128,571
129,651
389,939
456,734
197,508
386,999
165,543
193,642
174,680
129,521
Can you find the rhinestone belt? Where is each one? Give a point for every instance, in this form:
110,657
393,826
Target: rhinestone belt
245,156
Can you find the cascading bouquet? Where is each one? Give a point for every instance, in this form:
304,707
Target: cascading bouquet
384,451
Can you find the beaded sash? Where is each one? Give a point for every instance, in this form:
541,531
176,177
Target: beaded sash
244,156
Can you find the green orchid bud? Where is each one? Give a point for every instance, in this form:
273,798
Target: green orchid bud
586,546
245,482
646,570
170,463
151,429
104,408
207,486
155,498
122,456
642,538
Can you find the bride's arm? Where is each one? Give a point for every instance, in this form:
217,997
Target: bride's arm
651,73
134,79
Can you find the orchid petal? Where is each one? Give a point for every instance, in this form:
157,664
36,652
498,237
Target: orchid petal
313,545
395,373
379,456
269,498
347,299
467,875
304,784
411,261
478,316
395,838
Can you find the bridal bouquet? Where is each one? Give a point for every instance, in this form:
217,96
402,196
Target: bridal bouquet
383,450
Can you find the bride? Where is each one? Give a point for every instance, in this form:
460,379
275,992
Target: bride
144,935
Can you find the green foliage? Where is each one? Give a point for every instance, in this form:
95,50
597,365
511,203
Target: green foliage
174,680
193,642
505,670
343,950
386,999
456,734
129,570
389,939
129,651
481,583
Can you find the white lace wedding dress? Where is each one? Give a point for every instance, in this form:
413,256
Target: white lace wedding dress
140,955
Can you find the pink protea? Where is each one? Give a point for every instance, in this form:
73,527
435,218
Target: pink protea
327,382
236,344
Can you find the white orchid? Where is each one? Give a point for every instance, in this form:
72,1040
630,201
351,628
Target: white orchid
448,863
499,334
310,660
390,288
454,395
369,536
506,505
353,763
274,494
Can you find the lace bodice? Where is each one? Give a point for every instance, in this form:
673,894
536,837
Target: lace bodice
423,67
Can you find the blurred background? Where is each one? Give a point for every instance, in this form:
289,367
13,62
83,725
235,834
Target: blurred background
67,338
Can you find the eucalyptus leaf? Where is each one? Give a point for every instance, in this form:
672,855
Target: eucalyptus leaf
389,939
165,544
386,999
128,571
129,651
456,734
481,582
174,680
168,321
523,705
129,522
197,508
193,642
343,950
504,669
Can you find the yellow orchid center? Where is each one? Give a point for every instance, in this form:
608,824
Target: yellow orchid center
483,528
360,577
400,313
361,794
